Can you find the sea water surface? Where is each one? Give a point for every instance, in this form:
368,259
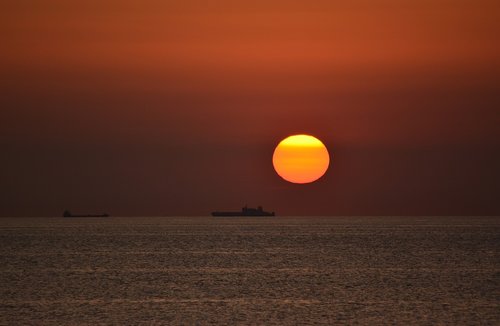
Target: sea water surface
281,270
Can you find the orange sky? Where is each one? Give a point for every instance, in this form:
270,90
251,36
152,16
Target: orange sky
172,97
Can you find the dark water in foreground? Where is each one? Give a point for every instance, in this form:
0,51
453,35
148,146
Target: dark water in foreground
368,270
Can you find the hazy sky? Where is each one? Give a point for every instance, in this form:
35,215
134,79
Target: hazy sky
175,107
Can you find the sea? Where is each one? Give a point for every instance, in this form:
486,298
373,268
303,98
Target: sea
250,271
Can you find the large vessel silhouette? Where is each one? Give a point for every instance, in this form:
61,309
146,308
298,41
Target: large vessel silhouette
67,213
245,211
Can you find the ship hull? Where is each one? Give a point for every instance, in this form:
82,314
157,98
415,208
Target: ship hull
100,215
240,214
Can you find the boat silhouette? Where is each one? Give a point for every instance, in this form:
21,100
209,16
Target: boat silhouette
245,211
67,213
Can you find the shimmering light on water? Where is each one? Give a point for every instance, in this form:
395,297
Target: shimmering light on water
261,270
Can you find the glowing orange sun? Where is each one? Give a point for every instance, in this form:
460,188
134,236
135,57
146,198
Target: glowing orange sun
301,159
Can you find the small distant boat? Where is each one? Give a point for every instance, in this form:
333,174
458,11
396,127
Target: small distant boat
68,214
245,211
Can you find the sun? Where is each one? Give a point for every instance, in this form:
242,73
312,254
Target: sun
301,159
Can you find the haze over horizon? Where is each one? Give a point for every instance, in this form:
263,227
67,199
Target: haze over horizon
175,108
